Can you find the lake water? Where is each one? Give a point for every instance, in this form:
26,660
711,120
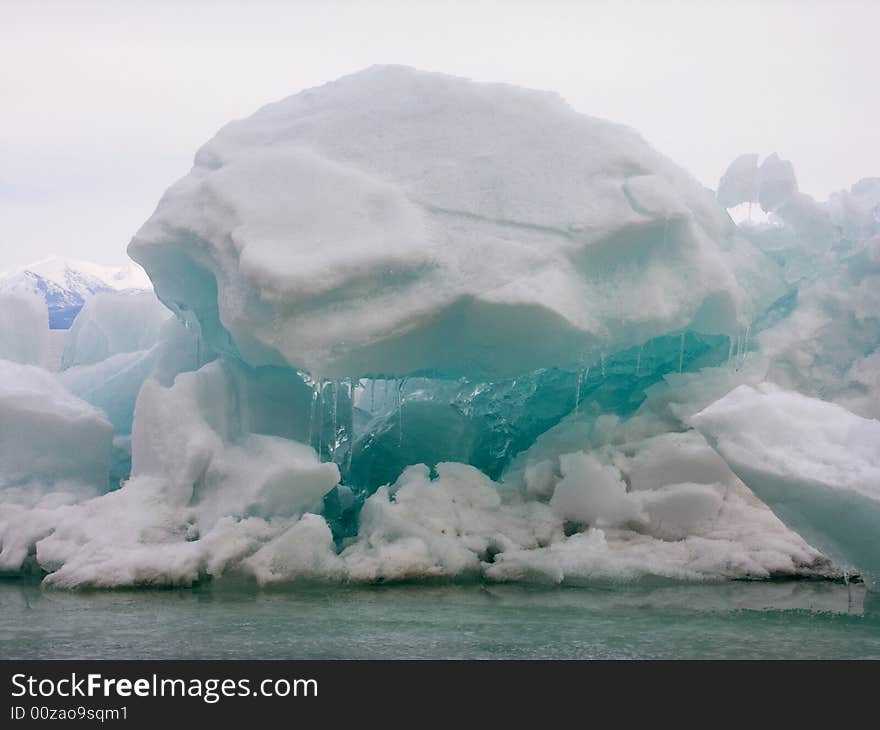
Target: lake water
774,619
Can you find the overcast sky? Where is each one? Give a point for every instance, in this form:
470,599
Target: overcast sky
103,104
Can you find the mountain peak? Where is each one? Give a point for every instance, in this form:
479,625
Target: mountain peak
65,284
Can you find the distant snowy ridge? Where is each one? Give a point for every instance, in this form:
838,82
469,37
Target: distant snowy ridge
65,284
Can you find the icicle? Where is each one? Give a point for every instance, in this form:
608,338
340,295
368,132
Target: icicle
577,391
681,353
639,360
400,386
746,343
602,363
321,419
312,415
352,390
729,350
372,395
333,444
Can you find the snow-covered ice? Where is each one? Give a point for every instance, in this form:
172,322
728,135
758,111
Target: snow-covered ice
816,464
24,328
397,221
111,323
54,451
412,326
48,434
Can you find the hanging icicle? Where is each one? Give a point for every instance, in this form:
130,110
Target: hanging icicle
335,409
746,343
313,415
352,392
400,385
321,419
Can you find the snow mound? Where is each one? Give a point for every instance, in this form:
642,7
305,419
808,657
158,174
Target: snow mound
397,221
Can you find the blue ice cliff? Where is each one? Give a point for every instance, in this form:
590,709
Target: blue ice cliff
415,326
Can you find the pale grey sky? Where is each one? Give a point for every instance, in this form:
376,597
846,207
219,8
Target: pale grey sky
103,104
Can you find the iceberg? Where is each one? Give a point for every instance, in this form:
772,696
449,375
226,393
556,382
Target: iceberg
413,326
771,184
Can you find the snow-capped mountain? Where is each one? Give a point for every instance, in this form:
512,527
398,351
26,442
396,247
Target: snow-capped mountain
66,284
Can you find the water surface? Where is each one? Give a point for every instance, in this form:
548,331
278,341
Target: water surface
774,619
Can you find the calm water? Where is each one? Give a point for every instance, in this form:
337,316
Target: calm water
788,619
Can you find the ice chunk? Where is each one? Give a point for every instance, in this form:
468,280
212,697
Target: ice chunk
676,511
829,343
492,233
47,434
739,184
772,184
459,523
24,328
207,490
856,212
54,452
442,527
592,493
800,233
112,384
114,322
776,182
814,463
195,436
303,551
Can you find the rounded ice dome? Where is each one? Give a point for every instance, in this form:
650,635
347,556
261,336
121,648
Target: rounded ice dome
396,222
